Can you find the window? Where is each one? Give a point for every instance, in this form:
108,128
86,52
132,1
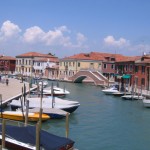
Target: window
69,63
112,59
142,81
78,64
112,66
26,62
105,66
143,69
91,65
136,68
131,67
73,64
126,67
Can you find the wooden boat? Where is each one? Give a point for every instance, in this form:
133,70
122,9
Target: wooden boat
18,116
24,138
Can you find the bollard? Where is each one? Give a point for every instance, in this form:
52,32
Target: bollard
67,125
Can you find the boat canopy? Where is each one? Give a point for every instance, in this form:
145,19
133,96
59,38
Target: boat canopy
126,76
28,135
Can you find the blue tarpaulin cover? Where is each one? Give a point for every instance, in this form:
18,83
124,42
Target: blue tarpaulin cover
28,135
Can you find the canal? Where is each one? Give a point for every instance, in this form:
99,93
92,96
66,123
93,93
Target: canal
103,122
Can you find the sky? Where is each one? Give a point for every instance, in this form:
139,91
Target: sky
68,27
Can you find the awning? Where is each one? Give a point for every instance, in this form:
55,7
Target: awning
127,76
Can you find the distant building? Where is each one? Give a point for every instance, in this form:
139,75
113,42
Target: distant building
94,61
142,72
7,64
32,63
69,66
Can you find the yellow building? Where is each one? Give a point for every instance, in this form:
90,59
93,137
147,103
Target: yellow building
69,66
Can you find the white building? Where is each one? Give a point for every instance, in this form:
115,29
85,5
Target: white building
32,62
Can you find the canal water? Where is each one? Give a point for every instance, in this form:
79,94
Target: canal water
103,122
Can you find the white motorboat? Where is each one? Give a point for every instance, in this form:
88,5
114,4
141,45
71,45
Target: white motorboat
121,94
65,105
146,102
56,91
133,97
45,83
111,90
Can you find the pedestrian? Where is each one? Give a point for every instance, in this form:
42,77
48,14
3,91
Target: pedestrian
7,81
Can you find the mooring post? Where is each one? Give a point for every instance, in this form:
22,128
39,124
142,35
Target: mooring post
27,112
37,136
67,125
1,106
3,132
41,110
29,90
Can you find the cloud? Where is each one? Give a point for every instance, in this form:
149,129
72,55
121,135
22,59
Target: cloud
35,38
52,37
9,30
57,37
111,41
81,38
33,35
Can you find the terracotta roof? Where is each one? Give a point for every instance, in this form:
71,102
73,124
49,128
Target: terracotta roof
94,56
48,59
35,54
2,57
129,58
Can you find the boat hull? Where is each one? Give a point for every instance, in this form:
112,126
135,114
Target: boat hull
146,103
20,117
132,97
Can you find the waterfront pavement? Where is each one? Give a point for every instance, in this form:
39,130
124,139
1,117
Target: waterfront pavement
13,89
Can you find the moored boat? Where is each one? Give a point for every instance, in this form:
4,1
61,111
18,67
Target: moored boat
24,138
57,91
121,94
146,102
132,97
45,83
52,112
18,116
48,104
112,89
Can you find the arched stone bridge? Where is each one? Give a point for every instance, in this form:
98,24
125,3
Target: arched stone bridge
96,76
